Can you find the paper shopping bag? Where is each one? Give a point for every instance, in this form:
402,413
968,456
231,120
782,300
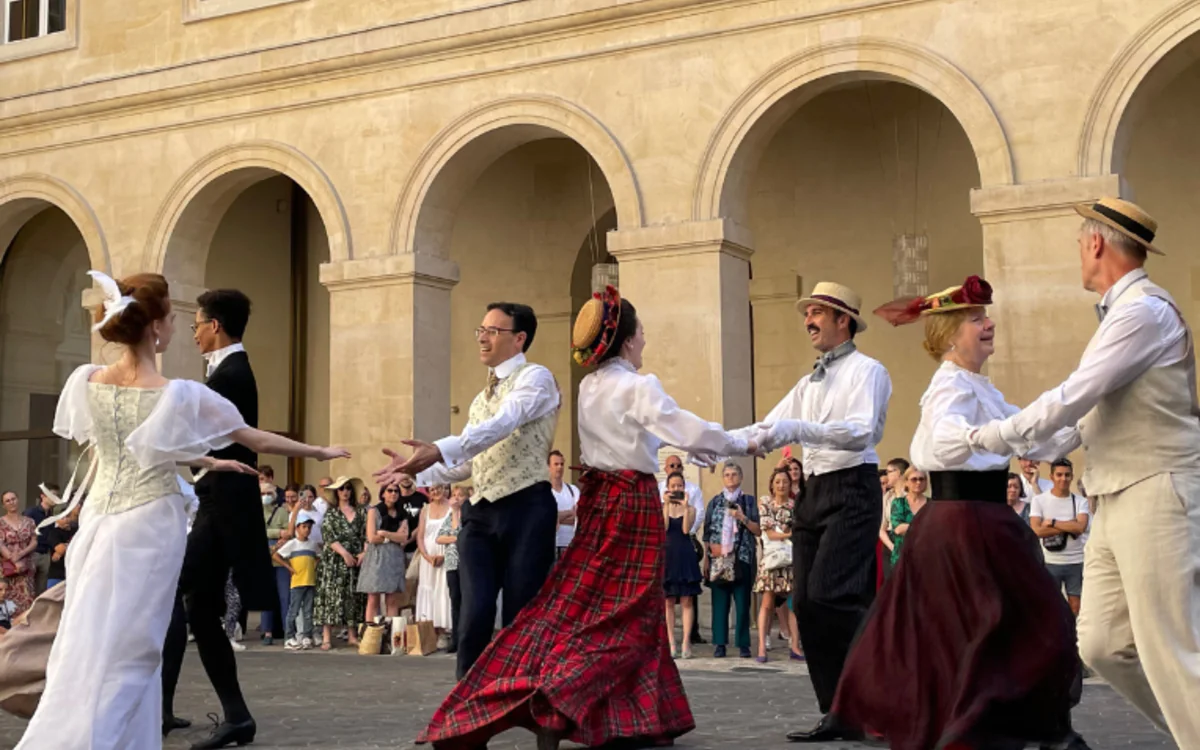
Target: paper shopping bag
422,639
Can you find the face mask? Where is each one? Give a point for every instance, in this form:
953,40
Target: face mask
268,498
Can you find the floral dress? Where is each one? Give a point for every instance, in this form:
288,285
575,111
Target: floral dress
15,539
778,581
337,601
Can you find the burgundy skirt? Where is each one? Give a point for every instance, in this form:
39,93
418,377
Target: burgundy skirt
589,656
969,640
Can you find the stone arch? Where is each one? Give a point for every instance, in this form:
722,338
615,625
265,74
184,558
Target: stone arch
183,229
1161,49
24,196
460,153
747,127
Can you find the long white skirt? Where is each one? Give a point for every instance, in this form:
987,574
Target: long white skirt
103,680
433,590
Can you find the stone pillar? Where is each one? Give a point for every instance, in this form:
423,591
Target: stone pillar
779,350
182,359
1044,317
690,283
390,354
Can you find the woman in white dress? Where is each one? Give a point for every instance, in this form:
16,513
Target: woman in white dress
433,587
103,681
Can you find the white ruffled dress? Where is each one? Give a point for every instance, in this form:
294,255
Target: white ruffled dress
103,684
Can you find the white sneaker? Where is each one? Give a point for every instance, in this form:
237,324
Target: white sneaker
443,642
238,635
306,644
291,644
236,646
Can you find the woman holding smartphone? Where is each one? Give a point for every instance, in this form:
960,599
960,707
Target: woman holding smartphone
681,582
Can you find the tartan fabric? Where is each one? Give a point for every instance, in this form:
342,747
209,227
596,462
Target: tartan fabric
588,657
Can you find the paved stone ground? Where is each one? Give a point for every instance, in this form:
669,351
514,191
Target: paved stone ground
350,702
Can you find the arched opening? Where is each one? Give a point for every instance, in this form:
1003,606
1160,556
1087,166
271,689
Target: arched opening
866,183
1160,153
524,229
44,335
257,230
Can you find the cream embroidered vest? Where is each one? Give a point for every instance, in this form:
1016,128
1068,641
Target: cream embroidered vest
1148,427
519,460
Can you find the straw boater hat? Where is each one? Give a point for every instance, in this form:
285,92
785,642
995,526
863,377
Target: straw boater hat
974,292
1126,218
596,326
341,481
839,297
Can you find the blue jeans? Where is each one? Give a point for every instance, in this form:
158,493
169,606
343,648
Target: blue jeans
300,612
283,585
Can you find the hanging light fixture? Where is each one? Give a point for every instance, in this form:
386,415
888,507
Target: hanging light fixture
910,265
604,275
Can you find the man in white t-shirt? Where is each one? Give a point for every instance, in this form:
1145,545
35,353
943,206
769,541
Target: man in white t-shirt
566,495
1060,519
1032,480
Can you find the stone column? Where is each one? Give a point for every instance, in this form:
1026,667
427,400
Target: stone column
690,283
778,359
390,352
1044,317
182,359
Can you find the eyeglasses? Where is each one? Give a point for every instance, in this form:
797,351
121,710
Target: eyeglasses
195,326
492,331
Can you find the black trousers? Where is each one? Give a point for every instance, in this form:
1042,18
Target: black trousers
505,545
200,602
834,536
455,586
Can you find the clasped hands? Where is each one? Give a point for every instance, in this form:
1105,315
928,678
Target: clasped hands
761,438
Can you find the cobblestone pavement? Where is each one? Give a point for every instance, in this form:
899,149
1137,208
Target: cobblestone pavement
350,702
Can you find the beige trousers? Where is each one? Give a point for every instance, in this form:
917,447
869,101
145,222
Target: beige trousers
1139,625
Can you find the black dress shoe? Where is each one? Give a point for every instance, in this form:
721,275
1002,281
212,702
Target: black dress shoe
171,723
697,638
828,729
227,733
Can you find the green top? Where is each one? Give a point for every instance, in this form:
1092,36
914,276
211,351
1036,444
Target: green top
276,518
901,513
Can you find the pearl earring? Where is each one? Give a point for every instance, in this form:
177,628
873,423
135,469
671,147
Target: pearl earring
156,342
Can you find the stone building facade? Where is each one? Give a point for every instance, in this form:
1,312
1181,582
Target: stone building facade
373,174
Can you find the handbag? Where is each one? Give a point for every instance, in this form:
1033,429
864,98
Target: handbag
723,569
370,642
1058,542
777,554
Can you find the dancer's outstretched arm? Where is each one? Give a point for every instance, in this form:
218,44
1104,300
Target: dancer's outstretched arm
261,441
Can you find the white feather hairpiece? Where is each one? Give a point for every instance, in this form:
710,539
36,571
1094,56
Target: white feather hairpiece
114,302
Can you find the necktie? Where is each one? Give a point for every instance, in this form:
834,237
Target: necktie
493,381
1101,311
821,366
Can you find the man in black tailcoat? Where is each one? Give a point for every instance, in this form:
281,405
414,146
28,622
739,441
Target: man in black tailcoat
228,535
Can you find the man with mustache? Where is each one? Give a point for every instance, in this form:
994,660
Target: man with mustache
508,528
837,414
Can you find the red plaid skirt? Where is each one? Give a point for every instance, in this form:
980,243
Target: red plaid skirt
588,657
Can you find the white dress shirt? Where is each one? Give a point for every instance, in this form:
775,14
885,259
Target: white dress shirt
214,359
1146,332
533,396
839,420
956,402
695,499
566,498
1032,490
625,417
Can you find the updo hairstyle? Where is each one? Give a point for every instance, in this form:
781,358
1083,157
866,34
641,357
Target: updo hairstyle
151,302
940,328
626,328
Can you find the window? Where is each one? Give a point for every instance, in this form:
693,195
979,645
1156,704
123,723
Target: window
30,19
